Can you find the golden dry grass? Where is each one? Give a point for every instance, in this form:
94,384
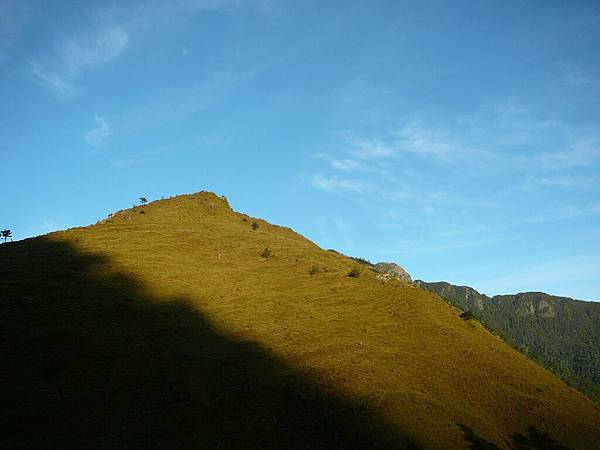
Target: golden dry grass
394,350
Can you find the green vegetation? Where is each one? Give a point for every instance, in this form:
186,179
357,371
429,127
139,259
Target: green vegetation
266,253
354,272
254,225
560,333
362,261
167,331
467,315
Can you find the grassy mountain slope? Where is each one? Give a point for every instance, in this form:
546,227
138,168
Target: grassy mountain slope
559,332
164,327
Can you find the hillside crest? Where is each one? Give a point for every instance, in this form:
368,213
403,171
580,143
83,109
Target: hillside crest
182,323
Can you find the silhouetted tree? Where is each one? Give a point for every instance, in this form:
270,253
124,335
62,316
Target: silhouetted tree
7,234
143,200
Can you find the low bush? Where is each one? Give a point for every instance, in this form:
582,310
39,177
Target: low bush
354,272
467,315
254,225
266,253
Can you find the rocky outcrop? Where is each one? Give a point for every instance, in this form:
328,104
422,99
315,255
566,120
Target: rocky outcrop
535,304
393,270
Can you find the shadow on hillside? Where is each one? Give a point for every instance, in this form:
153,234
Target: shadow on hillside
474,441
535,439
532,440
93,362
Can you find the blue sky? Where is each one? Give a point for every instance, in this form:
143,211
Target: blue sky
459,139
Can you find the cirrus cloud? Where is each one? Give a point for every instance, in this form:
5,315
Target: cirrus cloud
99,133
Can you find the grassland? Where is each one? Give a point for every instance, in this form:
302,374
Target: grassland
560,333
164,327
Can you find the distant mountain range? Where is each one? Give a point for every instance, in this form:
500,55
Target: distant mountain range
561,333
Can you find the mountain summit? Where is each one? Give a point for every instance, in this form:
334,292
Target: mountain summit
393,270
184,324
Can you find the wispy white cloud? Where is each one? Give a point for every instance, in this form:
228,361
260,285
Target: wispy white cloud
75,55
473,178
544,276
412,136
112,31
378,168
562,213
507,137
99,133
560,181
579,151
344,164
417,138
50,80
548,146
335,183
441,246
102,46
367,149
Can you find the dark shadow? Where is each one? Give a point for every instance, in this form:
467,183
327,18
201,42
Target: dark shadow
533,440
474,441
90,361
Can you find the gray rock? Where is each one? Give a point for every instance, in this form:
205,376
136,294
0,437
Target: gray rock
393,270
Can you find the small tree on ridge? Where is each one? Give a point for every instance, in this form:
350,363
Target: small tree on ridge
7,234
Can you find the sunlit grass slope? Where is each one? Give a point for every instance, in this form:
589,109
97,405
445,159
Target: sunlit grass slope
163,326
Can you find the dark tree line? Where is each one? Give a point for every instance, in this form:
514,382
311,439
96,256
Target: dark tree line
558,332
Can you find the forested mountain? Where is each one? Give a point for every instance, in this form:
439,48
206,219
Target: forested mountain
561,333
